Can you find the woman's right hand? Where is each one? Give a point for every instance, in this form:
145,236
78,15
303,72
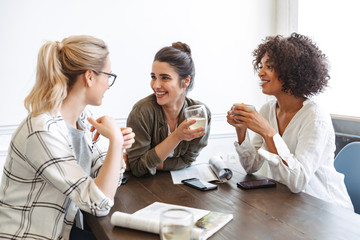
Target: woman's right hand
110,171
231,119
184,132
243,117
107,127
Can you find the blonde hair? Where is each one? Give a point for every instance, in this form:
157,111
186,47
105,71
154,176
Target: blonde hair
59,64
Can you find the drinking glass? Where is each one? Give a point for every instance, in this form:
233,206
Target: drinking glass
198,113
176,224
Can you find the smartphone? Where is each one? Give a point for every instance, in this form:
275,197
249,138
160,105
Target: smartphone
199,184
263,183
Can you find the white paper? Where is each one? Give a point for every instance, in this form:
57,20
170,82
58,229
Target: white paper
134,222
154,210
148,218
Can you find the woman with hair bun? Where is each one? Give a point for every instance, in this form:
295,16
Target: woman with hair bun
164,140
294,137
58,162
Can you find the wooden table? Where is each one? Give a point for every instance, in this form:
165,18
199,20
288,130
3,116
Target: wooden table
272,213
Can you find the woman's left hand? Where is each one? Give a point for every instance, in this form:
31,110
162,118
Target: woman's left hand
252,120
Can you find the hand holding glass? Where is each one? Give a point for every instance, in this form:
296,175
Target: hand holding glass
198,113
176,224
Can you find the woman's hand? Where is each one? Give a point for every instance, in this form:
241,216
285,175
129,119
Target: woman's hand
107,127
244,117
129,136
231,119
183,131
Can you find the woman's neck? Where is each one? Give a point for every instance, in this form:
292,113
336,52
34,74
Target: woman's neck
71,110
172,111
289,103
286,108
172,114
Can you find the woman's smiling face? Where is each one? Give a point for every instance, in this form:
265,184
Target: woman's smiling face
166,84
270,82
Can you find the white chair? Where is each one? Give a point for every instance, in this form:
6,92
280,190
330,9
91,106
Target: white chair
347,162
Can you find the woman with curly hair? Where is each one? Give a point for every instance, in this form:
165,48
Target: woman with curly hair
294,135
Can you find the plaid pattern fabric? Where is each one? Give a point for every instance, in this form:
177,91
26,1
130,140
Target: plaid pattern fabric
43,186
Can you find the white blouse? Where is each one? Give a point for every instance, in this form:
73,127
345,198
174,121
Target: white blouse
307,146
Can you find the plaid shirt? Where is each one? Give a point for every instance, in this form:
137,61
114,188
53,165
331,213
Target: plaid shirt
43,186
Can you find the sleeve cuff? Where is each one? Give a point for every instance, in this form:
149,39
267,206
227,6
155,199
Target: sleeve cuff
273,159
283,153
243,148
155,161
100,204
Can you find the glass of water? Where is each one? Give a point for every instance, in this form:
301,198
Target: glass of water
198,113
176,224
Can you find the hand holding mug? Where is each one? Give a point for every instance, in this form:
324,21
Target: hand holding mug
237,113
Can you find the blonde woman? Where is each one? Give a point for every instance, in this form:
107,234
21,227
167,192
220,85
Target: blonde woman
58,162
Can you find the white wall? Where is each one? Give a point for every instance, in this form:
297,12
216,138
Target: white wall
221,34
334,26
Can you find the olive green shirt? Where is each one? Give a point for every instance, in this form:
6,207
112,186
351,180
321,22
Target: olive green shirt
148,121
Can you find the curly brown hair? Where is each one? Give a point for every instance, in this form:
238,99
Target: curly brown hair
300,64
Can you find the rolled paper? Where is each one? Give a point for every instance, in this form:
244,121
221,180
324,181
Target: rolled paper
218,166
134,222
126,220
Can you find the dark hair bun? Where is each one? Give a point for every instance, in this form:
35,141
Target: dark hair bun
182,47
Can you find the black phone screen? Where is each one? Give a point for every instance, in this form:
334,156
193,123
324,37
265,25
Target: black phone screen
199,184
263,183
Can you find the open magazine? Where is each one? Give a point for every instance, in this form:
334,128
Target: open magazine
148,220
213,171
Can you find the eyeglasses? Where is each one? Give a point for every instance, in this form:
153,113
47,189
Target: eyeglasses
112,77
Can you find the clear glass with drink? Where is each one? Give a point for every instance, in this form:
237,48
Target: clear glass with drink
176,224
198,113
